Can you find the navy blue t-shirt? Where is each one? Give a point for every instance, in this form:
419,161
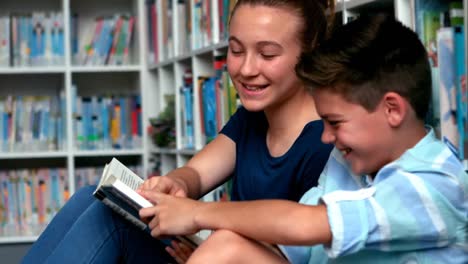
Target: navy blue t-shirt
258,175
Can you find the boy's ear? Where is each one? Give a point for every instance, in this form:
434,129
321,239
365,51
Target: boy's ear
395,108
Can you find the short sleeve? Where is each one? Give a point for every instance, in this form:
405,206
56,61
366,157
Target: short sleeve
235,124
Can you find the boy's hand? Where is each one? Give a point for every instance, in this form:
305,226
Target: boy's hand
170,215
163,184
179,251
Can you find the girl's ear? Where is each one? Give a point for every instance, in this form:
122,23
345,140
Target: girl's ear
395,107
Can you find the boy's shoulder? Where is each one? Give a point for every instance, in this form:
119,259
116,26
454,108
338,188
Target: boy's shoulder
431,154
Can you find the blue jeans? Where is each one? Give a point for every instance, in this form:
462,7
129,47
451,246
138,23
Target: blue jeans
87,231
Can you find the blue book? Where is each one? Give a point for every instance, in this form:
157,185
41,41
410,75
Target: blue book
87,121
140,124
2,125
21,198
61,120
462,103
54,190
447,90
105,119
7,126
187,92
105,41
58,41
44,124
74,34
209,108
52,136
19,113
123,122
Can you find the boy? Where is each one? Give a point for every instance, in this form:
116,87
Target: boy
390,192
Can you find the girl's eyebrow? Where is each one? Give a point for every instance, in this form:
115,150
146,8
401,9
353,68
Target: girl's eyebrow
232,38
260,44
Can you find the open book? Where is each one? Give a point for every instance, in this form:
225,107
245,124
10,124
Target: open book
117,189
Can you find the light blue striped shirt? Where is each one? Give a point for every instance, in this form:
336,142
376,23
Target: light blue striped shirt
414,211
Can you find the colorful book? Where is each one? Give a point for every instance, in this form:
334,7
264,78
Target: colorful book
448,91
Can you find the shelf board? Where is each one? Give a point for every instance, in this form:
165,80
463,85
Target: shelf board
119,68
189,152
171,151
33,155
164,151
32,70
356,4
106,153
17,239
211,48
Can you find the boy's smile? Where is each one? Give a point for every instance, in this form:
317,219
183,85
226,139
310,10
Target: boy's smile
361,136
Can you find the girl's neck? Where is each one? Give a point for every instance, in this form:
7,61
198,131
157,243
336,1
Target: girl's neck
287,121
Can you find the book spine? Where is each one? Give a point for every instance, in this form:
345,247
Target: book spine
137,222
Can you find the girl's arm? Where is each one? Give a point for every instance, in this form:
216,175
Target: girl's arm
206,170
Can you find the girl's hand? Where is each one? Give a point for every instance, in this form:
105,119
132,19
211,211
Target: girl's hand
171,215
180,251
163,184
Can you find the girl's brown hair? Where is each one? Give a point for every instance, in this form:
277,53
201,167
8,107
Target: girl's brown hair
316,22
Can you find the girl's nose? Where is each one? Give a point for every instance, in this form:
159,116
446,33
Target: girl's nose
249,66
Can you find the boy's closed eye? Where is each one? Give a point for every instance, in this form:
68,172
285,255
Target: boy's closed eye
333,123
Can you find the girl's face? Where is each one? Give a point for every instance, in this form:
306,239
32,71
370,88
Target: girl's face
263,49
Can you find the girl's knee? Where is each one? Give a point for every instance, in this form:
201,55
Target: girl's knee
86,191
223,246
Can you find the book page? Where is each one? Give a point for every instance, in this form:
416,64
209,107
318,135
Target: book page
124,174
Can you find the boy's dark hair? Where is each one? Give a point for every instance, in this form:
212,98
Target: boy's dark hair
367,58
313,13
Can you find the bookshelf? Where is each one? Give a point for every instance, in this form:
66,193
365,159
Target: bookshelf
156,64
63,77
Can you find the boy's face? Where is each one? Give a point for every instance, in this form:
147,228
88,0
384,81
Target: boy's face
362,137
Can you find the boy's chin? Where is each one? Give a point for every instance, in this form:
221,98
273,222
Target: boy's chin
357,169
363,171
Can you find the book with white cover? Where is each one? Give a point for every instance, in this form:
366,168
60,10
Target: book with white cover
117,189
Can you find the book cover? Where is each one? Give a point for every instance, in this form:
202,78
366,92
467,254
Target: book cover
461,90
4,41
117,189
447,91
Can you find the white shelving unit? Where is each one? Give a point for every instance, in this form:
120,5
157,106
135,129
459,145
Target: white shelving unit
151,80
90,80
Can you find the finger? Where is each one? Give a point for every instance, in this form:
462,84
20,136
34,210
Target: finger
143,186
146,186
154,227
163,186
153,196
148,212
175,252
180,193
154,222
186,249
